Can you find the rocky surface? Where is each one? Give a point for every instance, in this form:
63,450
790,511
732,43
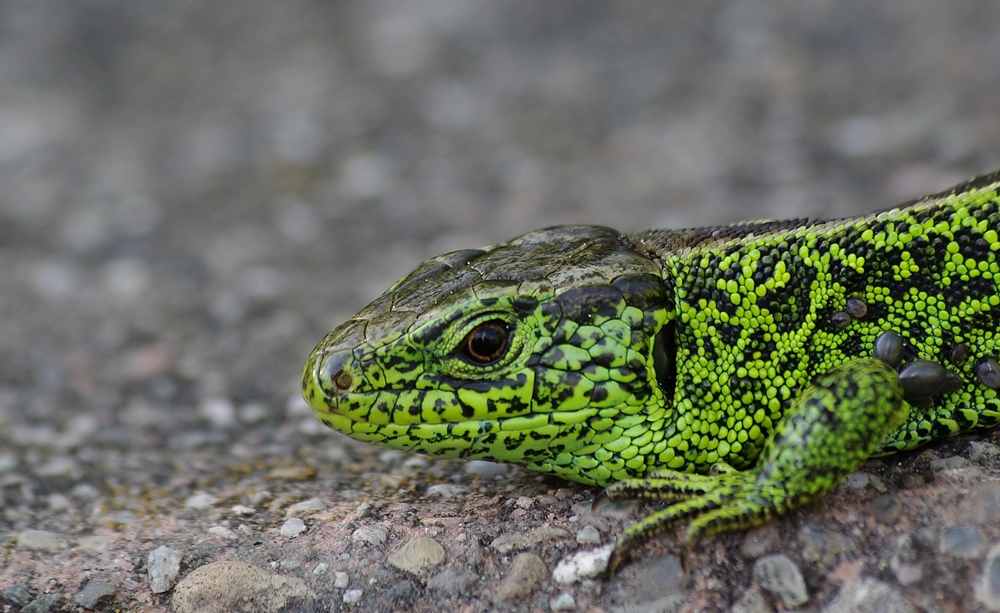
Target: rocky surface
194,193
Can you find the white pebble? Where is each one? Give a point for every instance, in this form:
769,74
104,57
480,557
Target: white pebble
223,532
293,527
200,501
353,596
582,564
162,567
340,579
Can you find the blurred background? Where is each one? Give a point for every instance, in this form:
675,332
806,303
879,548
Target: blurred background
193,193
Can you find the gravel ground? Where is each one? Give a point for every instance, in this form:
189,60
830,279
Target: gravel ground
194,193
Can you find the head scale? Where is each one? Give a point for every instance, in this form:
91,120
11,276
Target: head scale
541,351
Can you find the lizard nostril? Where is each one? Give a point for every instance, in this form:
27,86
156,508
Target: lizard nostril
333,369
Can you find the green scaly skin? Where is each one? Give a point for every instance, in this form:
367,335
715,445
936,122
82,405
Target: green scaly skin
728,371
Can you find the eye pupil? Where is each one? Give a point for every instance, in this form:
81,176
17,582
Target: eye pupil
486,343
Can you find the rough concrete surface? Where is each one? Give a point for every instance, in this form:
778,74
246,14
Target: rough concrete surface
193,193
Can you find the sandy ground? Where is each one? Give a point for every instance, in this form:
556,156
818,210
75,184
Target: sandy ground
194,193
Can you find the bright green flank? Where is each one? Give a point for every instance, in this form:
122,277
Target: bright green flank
733,372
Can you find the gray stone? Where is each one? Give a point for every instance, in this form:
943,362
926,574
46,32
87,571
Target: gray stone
760,541
221,587
306,507
341,579
823,545
375,535
292,528
525,573
486,470
162,567
965,542
514,541
867,595
588,535
41,540
779,576
650,585
563,602
92,592
418,556
96,542
43,604
16,595
988,586
454,580
353,596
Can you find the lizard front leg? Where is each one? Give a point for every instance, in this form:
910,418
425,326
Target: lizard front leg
831,429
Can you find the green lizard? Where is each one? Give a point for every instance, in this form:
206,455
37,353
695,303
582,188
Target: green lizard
734,372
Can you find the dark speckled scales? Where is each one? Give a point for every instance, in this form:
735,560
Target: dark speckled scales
911,284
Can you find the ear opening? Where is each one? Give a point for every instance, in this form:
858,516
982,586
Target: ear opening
665,360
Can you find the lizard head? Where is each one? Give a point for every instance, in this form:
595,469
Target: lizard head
541,351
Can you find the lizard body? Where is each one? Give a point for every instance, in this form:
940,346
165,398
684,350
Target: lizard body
734,372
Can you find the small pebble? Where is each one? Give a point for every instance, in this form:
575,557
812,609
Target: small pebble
374,535
454,580
867,595
340,579
41,540
651,584
886,509
751,601
240,509
306,507
581,564
16,595
292,473
988,586
162,567
981,451
780,576
949,463
44,604
96,542
907,560
513,541
321,568
418,556
525,573
353,596
965,542
588,535
292,528
201,501
92,592
821,544
486,470
223,532
857,481
231,585
760,541
562,602
447,490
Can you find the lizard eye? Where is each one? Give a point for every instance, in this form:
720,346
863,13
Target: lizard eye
486,343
